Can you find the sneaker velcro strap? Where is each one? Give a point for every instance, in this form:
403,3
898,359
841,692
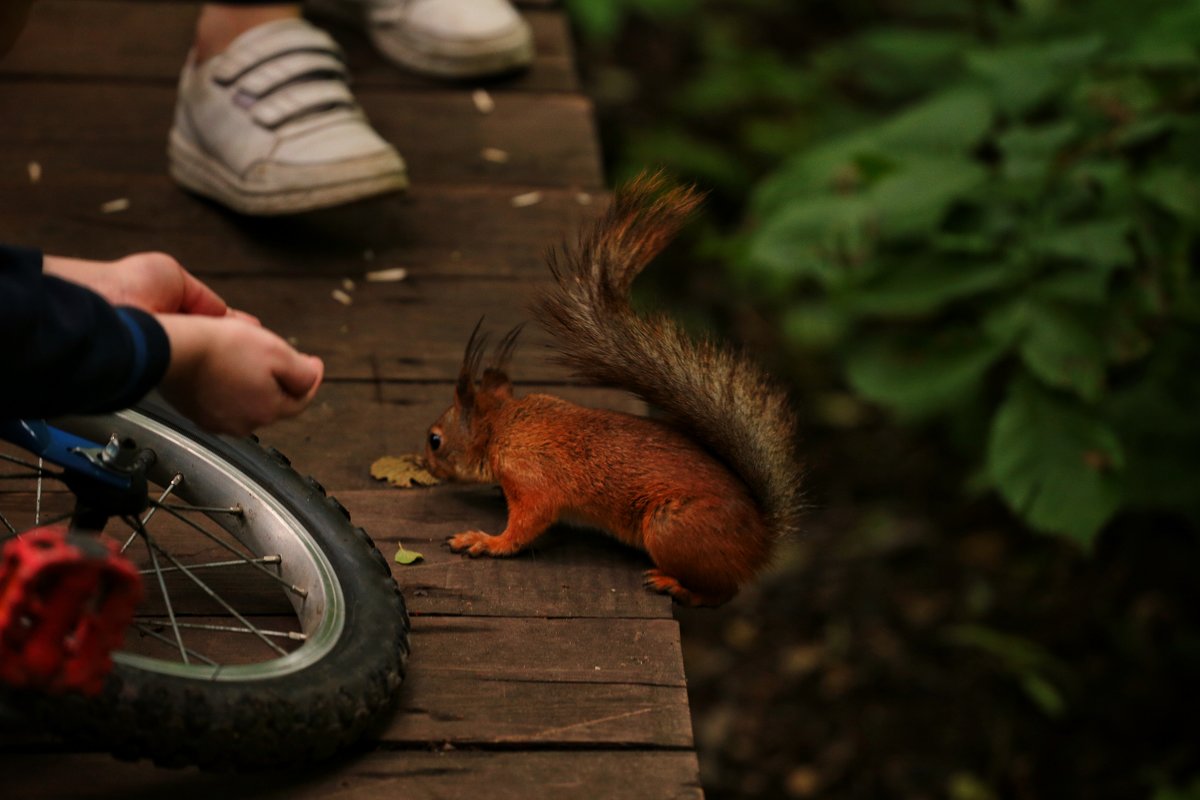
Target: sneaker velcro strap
269,76
272,44
299,99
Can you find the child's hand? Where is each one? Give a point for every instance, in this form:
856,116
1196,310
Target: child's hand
231,375
153,282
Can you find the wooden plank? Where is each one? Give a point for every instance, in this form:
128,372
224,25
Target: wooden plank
446,231
488,681
415,775
569,572
643,651
550,139
410,330
350,425
519,712
149,41
484,650
501,681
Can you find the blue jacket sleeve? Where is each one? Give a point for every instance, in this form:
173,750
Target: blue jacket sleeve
64,349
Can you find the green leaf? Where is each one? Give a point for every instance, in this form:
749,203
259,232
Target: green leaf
1017,653
407,557
1054,462
745,82
917,381
914,198
1102,243
949,123
1075,285
820,238
1037,8
1027,661
1175,190
811,174
947,126
1024,76
920,287
1061,349
1169,38
1044,694
897,62
1143,130
682,152
1056,343
1030,151
816,325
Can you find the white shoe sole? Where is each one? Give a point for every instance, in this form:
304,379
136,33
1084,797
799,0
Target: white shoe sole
439,59
205,175
461,62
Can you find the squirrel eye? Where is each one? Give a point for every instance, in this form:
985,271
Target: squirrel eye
435,441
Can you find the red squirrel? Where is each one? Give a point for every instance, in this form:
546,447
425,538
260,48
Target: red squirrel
706,492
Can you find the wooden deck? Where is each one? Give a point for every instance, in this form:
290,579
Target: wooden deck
550,675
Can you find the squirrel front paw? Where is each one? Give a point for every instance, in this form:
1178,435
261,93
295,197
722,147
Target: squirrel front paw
478,543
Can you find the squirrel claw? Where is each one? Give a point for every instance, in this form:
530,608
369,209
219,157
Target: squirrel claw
475,544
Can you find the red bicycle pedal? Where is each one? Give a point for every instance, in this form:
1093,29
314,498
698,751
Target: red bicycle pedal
65,602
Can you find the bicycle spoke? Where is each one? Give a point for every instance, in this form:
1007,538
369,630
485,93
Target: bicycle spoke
236,511
295,636
8,525
272,559
175,481
37,512
208,590
48,523
291,587
21,462
156,635
162,585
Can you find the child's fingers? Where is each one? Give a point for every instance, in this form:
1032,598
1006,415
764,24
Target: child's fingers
242,316
300,376
199,299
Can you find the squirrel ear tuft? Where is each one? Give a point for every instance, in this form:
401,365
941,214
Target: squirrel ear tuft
464,390
495,382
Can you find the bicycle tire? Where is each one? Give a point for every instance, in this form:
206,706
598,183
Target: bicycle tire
297,716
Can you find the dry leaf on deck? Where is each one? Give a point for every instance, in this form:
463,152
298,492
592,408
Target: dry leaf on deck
404,471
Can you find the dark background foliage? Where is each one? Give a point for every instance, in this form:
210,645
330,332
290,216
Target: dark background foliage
967,234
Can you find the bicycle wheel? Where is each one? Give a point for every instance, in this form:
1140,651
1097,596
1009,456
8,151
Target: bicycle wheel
271,631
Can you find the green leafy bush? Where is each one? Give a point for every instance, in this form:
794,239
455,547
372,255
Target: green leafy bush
1012,255
986,214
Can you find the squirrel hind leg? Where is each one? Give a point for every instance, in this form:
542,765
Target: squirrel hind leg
659,581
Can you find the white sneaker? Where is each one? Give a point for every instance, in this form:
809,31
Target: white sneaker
270,127
443,38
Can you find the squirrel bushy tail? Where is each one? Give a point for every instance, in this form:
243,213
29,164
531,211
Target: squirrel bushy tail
719,398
